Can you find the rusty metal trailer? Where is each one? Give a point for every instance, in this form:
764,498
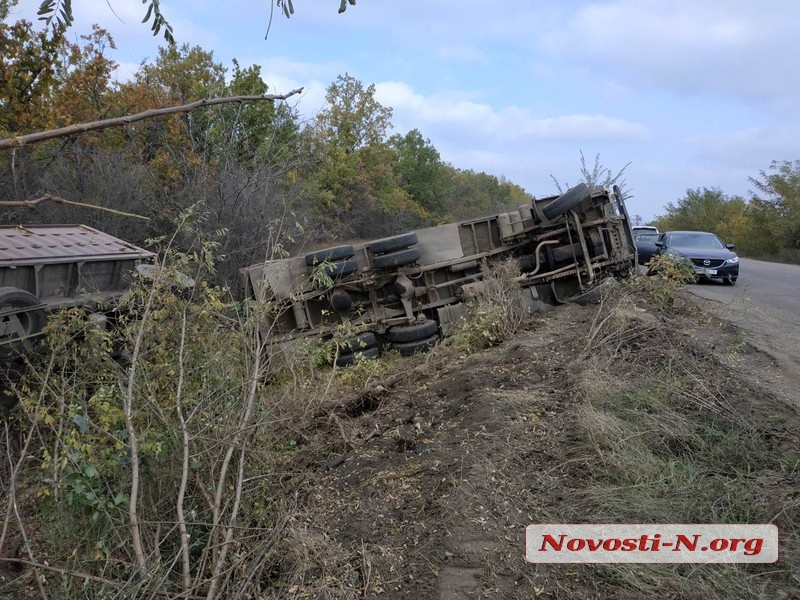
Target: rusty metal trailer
45,267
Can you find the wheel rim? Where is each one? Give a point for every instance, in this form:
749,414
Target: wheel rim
15,325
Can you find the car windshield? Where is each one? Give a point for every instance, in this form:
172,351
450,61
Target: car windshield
647,237
695,240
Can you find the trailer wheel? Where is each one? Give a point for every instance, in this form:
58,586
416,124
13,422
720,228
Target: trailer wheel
397,242
19,325
409,348
329,255
567,201
396,259
338,269
413,332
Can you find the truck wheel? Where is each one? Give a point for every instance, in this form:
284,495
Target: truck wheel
345,360
396,259
19,325
338,269
567,201
358,343
409,348
397,242
329,255
413,332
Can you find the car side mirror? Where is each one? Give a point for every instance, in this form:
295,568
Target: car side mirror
659,244
730,246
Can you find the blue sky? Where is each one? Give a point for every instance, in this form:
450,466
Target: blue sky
691,93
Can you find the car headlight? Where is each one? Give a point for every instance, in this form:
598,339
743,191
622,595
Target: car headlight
732,261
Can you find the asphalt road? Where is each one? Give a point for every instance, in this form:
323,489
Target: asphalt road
771,287
765,303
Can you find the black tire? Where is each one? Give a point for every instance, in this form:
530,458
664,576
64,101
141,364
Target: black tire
345,360
329,255
338,269
409,348
396,259
413,332
32,322
729,280
567,201
397,242
359,343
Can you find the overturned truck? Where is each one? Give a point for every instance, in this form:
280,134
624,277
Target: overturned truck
408,290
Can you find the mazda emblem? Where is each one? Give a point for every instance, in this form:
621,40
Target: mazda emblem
706,262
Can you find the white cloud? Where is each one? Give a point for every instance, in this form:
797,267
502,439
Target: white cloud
462,116
752,147
690,46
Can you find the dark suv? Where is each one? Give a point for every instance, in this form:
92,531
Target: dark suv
710,257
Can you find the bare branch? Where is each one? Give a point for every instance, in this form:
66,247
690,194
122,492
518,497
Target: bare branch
58,200
33,138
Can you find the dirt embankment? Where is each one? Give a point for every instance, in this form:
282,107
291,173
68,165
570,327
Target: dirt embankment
415,478
617,413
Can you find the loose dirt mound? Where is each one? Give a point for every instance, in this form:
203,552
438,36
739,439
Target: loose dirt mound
614,413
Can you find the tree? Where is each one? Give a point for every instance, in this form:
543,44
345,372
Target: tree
420,169
705,210
473,194
353,118
749,225
781,190
357,186
27,69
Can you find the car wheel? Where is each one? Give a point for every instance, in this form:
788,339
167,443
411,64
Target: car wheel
567,201
729,280
396,259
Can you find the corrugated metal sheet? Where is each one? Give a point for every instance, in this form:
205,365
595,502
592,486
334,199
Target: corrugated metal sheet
38,244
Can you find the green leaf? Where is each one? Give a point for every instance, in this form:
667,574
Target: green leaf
80,423
147,14
46,7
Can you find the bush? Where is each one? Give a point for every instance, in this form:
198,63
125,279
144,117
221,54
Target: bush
665,276
495,309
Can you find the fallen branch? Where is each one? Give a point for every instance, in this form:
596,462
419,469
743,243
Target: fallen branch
58,200
32,138
60,571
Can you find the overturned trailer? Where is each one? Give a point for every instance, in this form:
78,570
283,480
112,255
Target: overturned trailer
408,290
47,267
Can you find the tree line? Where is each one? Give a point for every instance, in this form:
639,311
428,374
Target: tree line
765,225
266,180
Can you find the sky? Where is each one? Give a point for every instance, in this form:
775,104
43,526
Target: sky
681,94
